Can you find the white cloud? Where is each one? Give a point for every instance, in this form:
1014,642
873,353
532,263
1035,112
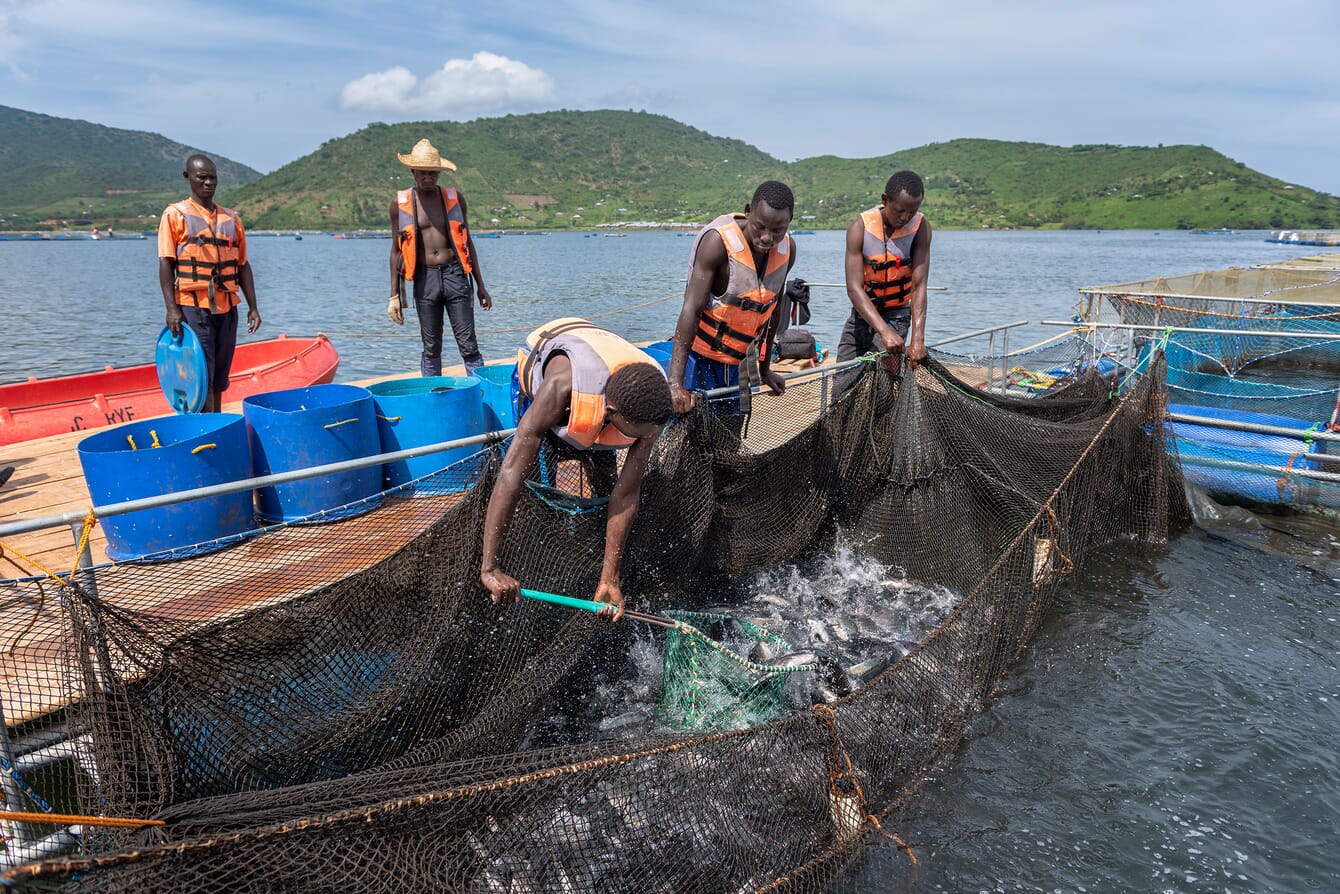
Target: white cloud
486,82
11,39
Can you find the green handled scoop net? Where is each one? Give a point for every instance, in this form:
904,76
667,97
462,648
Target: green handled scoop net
705,685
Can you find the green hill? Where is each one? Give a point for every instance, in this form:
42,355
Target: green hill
54,169
988,183
581,169
527,171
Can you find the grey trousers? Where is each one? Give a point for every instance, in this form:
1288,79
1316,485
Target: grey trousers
859,339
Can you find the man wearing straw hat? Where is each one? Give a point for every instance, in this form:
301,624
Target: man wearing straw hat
431,248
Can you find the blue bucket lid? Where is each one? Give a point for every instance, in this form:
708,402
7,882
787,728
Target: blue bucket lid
182,371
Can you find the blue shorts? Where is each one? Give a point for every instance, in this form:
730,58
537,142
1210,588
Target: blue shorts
705,374
218,338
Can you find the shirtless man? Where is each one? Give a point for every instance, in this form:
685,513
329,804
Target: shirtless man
431,248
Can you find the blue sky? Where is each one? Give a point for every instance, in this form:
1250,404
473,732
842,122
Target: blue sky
267,82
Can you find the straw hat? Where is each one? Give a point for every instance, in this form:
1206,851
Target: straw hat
425,157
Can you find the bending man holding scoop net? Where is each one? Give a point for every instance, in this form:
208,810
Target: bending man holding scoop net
584,393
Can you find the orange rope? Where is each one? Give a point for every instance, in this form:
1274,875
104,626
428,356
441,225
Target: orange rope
1159,305
1283,483
73,819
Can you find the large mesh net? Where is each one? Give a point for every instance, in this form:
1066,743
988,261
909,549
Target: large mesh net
340,708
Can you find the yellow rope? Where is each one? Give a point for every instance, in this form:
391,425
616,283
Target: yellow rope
90,522
7,551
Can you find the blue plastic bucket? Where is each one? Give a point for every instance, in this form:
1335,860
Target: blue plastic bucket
122,464
499,403
420,411
304,427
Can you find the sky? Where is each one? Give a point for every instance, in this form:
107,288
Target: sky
265,83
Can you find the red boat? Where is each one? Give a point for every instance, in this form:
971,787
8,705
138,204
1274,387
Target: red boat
40,407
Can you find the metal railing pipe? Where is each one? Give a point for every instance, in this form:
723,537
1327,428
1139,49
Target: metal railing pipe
232,487
1257,428
847,364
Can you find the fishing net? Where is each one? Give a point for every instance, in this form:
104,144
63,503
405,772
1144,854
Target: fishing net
709,686
340,707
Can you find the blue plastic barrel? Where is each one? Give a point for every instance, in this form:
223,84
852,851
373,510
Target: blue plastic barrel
499,405
419,411
162,456
304,427
660,351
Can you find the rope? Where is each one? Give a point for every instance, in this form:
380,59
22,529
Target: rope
74,819
7,551
1160,346
690,630
1159,304
608,313
90,521
840,769
24,786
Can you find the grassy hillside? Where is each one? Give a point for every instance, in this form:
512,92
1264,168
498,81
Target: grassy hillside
510,168
565,169
581,169
975,183
55,169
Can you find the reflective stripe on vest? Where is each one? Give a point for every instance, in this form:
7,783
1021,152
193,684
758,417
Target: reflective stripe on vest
211,252
594,355
733,321
887,268
408,220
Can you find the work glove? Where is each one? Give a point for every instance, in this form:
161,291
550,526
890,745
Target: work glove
394,312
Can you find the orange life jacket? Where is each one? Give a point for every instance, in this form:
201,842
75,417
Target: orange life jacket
409,228
732,322
595,354
209,260
887,271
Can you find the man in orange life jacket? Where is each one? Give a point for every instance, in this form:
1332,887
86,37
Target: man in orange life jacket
887,260
431,248
737,268
583,390
202,263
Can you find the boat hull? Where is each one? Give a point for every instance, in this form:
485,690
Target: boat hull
41,407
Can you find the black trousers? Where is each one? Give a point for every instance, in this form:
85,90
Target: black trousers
445,290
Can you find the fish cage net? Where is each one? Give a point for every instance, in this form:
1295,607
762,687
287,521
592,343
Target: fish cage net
1254,353
1272,349
337,707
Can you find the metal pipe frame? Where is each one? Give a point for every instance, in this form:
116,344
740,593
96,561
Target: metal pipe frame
1318,336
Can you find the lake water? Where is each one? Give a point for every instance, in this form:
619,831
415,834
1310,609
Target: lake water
1172,727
